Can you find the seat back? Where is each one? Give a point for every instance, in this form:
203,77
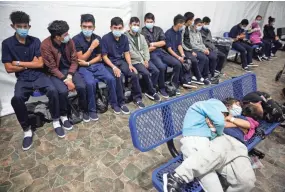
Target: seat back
226,34
159,123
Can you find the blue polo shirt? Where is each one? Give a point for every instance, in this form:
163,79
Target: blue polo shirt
13,50
235,31
113,48
173,39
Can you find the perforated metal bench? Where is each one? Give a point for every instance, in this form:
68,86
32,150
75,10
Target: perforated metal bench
161,123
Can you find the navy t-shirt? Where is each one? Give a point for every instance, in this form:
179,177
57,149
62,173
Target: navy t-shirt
13,50
173,39
114,49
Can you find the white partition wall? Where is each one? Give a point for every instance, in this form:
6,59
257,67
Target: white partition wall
223,15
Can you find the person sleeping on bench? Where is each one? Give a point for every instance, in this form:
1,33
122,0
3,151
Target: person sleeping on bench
206,150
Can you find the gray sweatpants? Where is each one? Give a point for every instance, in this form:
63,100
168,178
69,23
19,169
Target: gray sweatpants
227,156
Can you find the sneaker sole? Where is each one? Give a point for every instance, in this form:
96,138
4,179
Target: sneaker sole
166,97
61,136
253,65
68,129
117,113
25,149
94,119
189,86
126,113
86,121
150,97
198,83
164,178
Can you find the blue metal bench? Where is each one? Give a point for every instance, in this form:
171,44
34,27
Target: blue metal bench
161,123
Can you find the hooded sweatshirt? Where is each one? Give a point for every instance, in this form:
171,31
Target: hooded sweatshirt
195,120
196,40
255,36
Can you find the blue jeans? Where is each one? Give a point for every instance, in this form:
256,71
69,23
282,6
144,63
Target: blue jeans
91,76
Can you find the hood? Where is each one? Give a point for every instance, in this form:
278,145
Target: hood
211,105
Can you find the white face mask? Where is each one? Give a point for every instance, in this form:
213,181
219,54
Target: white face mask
236,110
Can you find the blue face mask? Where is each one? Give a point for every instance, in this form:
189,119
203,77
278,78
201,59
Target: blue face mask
117,33
199,28
87,33
236,110
135,29
149,25
22,32
182,28
206,26
66,39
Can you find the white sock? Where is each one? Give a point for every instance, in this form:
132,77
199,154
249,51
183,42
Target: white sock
63,118
28,133
56,123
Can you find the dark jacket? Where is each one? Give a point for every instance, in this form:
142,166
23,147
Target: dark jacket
269,33
186,44
51,56
207,39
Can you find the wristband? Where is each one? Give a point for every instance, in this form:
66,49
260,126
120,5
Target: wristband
114,67
232,119
183,56
17,63
151,44
88,63
90,49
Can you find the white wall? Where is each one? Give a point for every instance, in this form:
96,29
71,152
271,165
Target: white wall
224,15
276,9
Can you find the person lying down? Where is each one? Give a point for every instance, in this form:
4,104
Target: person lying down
203,122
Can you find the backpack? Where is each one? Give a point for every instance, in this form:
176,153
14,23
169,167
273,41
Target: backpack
74,115
102,101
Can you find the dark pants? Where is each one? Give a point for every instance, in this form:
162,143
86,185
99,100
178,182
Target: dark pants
221,61
146,77
161,58
213,57
24,89
63,92
91,76
203,64
277,46
136,89
266,45
155,72
245,52
195,64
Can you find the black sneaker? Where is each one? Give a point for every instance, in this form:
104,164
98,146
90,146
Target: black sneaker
67,125
172,183
60,132
246,69
259,58
117,110
178,92
86,117
207,82
149,96
163,93
140,104
215,80
156,97
27,143
93,116
125,110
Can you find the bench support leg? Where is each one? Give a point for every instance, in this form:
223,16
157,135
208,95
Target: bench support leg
257,153
173,151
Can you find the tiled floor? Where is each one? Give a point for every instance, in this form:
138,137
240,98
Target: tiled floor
100,156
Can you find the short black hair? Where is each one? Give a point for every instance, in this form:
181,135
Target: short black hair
87,18
19,17
197,20
244,22
117,21
178,19
258,16
206,20
271,19
250,110
149,16
134,19
57,28
188,16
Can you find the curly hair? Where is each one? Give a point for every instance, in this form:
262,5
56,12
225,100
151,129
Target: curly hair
57,28
19,17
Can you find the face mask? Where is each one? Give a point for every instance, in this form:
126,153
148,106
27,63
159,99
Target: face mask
258,21
117,33
87,33
149,25
273,24
182,28
22,32
66,39
236,110
243,27
206,26
199,28
135,29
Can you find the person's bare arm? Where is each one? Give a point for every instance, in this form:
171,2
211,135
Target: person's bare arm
116,70
181,51
243,124
128,60
169,49
95,43
34,64
12,69
158,44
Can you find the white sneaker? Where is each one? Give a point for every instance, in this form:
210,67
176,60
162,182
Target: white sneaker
252,65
